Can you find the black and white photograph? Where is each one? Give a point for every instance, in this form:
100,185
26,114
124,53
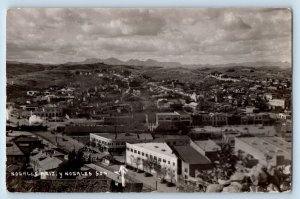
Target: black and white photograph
149,100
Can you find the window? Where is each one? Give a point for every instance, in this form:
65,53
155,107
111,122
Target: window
146,155
131,150
168,162
173,163
164,160
142,154
185,170
139,152
151,157
134,151
128,149
155,158
159,159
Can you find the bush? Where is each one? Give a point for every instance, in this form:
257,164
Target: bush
146,174
170,184
140,171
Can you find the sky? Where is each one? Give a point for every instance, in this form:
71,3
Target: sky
185,35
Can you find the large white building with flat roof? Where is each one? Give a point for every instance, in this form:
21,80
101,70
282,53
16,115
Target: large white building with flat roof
271,150
161,153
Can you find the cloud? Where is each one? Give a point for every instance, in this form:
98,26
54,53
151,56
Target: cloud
187,35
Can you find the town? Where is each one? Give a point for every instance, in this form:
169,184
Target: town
219,130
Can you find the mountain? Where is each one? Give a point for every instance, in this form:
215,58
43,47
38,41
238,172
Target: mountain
131,62
152,62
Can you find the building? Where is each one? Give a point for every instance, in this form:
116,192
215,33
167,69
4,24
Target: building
160,153
14,154
172,139
117,141
27,143
207,148
171,117
273,150
275,103
118,120
190,160
210,119
46,161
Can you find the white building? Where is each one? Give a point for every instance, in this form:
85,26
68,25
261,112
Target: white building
273,150
161,153
117,142
277,103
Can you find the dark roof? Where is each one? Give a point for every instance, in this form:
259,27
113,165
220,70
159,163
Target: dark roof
26,139
190,155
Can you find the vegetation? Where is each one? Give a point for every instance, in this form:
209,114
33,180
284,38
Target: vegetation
74,163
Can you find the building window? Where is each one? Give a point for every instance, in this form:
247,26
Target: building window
151,157
185,170
173,163
142,154
159,159
139,152
164,160
131,150
134,151
155,158
168,162
128,149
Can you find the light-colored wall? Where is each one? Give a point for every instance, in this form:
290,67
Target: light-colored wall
130,156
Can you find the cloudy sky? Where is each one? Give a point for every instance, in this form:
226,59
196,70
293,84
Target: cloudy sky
189,36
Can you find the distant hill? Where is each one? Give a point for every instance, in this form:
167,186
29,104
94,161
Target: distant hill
150,62
131,62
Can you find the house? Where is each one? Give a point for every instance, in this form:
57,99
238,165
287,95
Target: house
267,150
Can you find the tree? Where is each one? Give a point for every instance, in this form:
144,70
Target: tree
137,162
227,160
162,173
74,163
150,164
93,143
171,174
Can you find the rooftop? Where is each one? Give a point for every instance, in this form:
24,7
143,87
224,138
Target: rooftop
161,148
168,113
249,129
179,137
13,149
208,145
270,145
126,136
190,155
24,138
